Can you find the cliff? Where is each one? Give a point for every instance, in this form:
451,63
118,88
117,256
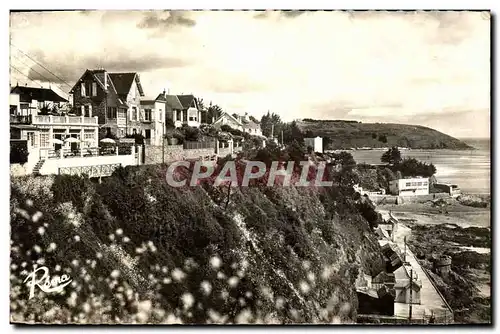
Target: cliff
140,251
352,134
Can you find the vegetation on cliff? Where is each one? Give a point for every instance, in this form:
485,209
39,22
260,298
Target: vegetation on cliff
141,251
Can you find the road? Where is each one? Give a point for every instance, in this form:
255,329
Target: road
430,299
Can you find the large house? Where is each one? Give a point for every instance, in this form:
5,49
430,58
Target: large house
183,110
113,97
34,118
229,120
249,126
26,100
153,113
242,123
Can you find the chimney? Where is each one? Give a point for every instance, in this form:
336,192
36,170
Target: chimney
247,118
164,93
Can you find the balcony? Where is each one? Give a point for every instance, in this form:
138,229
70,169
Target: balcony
63,120
18,119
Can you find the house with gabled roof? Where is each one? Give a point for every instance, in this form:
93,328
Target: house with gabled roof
229,120
113,97
185,110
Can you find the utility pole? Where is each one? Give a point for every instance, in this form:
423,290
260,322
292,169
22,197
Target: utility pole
411,291
163,140
282,143
272,131
404,256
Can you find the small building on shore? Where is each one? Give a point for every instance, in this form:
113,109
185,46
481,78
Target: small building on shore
316,144
451,189
409,186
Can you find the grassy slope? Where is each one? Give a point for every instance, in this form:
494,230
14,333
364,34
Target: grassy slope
141,251
346,135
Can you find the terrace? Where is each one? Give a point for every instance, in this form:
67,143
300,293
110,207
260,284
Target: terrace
53,120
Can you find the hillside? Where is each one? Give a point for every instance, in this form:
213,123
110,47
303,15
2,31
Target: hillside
352,134
140,251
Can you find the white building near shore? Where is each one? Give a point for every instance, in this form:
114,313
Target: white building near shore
409,187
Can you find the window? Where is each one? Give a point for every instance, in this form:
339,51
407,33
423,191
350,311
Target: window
419,184
111,112
94,89
41,104
88,136
147,115
24,109
425,184
44,139
87,111
122,113
134,116
160,117
408,184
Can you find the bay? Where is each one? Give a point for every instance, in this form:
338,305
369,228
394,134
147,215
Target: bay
469,169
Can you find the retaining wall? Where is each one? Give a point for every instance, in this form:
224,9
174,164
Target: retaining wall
174,153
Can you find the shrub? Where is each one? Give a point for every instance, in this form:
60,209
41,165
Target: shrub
19,152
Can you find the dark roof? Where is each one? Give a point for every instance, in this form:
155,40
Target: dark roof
122,82
39,94
384,277
186,100
161,97
173,102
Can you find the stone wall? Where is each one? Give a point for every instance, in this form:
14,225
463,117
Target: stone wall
174,153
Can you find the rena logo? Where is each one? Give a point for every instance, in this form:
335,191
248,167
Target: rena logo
45,283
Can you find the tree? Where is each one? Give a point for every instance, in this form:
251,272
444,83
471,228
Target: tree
213,112
18,152
382,138
201,105
267,122
392,156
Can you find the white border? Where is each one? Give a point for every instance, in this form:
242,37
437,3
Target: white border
192,4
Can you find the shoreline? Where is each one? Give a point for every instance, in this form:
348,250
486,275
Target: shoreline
464,234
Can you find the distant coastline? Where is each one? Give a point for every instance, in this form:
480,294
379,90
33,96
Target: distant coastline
348,135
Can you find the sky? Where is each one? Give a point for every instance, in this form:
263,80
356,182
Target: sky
425,68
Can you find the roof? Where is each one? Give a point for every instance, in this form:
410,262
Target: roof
225,114
123,82
152,98
39,94
161,97
384,277
369,292
186,100
250,125
173,102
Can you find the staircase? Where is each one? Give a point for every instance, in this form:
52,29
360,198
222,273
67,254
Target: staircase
38,166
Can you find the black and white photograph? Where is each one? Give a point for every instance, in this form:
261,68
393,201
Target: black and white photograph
258,167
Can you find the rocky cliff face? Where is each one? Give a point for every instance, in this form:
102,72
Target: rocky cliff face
141,251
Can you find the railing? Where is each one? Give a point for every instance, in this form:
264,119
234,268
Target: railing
44,119
18,119
191,145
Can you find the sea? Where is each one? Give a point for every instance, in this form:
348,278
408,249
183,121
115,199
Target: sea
469,169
